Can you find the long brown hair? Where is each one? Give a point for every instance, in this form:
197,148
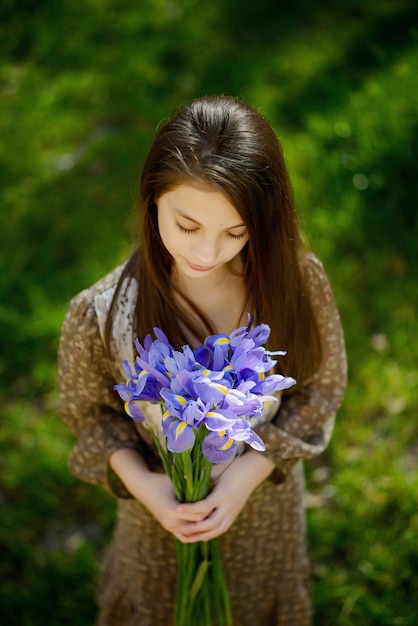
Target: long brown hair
227,144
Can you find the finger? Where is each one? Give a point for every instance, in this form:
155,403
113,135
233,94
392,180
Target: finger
195,511
208,525
188,517
207,529
204,536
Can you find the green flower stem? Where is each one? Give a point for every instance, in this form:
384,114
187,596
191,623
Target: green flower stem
187,467
199,577
202,593
221,594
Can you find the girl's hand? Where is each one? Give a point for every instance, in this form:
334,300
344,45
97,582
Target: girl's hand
161,502
154,491
215,514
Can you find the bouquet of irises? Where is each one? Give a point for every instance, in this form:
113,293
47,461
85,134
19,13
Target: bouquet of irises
208,397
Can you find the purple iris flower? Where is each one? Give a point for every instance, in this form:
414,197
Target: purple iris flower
220,346
259,334
219,420
219,448
181,417
274,382
133,410
180,436
178,361
219,385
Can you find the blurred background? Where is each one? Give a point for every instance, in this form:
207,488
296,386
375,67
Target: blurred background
83,86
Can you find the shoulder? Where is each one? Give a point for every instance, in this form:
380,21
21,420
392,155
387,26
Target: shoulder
108,282
311,266
113,300
89,307
88,311
81,306
316,282
99,296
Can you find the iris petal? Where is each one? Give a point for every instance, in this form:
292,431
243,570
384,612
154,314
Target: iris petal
219,420
134,411
208,392
218,449
180,437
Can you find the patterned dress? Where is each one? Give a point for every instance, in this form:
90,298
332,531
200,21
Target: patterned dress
264,552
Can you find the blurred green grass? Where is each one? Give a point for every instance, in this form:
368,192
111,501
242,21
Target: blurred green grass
83,87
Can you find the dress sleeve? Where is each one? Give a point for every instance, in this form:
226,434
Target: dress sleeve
303,426
87,401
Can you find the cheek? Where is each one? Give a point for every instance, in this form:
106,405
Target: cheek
164,230
241,245
172,241
166,239
232,250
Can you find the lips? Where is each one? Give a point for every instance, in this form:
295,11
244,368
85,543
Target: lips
200,268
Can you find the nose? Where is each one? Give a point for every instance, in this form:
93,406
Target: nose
205,250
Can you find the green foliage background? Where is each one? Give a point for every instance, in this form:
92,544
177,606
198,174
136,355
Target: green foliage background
83,86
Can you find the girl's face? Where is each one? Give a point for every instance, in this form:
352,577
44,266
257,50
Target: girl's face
201,230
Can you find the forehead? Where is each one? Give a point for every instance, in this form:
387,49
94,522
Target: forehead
202,203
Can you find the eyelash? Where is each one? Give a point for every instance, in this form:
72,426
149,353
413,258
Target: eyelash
190,231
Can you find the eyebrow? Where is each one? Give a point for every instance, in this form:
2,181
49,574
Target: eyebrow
187,217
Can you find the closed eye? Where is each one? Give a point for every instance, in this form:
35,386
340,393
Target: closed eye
189,231
241,236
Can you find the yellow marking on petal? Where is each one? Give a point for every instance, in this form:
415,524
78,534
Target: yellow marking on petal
214,414
126,405
166,414
181,400
181,426
221,388
228,444
142,372
227,367
260,375
222,341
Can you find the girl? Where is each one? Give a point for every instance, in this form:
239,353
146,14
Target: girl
219,238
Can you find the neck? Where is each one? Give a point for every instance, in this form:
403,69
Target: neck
221,296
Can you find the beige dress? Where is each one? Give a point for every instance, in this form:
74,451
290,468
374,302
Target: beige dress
264,552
